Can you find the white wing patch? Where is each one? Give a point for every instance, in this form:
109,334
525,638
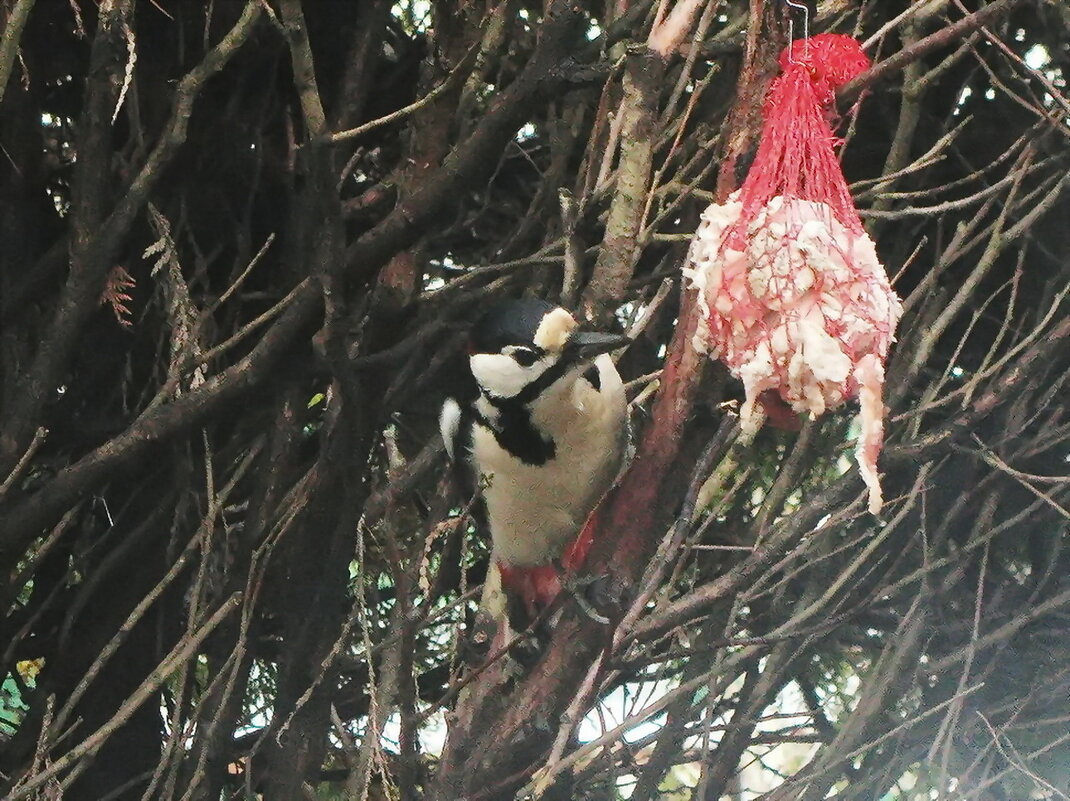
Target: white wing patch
449,423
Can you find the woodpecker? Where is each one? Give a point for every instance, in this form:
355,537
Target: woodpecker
541,438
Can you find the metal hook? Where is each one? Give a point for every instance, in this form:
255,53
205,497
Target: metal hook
791,20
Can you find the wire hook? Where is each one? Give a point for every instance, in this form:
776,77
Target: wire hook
791,20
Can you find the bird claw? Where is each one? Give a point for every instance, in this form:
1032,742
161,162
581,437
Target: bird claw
476,647
529,648
591,592
526,647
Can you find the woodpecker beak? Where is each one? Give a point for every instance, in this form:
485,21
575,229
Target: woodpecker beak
584,345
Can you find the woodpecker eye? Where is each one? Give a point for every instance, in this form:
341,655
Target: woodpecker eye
525,357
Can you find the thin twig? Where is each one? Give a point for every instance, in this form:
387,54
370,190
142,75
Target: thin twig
455,77
38,438
942,38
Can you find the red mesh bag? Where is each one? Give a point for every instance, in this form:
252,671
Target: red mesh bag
797,304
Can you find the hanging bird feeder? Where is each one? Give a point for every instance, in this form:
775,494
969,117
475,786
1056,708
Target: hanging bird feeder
796,303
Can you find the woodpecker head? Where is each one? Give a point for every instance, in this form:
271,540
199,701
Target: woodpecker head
522,348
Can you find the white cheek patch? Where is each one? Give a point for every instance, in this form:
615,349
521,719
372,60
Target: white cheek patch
499,375
554,330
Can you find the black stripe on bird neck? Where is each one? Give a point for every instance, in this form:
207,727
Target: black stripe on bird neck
532,391
514,432
513,428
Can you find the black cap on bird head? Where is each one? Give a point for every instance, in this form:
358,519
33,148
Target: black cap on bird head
533,322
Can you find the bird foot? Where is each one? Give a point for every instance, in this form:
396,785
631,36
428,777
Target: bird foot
476,647
489,635
529,648
592,593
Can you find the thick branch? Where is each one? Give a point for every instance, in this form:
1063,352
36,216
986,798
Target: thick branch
9,44
643,73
